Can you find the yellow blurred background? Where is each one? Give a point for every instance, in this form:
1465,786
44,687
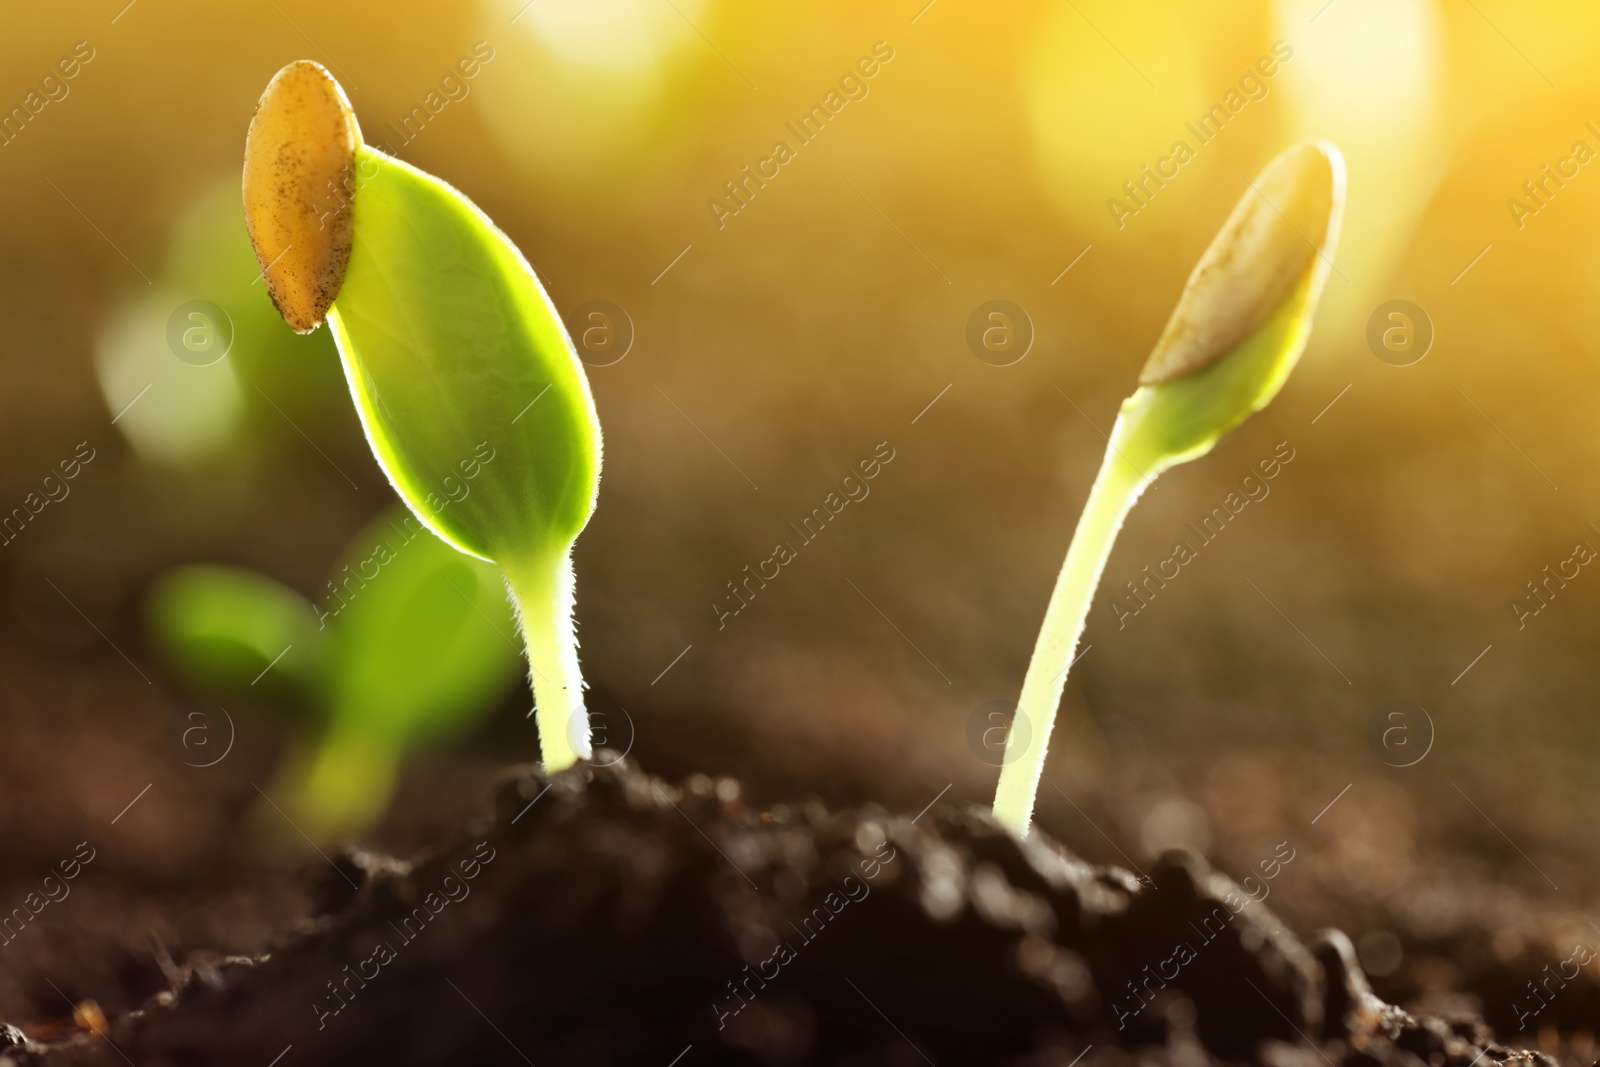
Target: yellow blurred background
775,346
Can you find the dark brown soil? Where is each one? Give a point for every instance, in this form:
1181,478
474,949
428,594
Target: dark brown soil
604,917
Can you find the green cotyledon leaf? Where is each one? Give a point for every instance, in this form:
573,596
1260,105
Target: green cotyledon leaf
476,406
468,386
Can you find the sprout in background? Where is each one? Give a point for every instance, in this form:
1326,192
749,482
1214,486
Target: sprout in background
450,347
1238,330
188,406
411,645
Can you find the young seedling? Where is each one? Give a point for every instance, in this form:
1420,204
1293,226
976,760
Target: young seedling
410,645
448,341
1237,332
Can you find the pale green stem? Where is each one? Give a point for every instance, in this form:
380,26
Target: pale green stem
543,594
1116,487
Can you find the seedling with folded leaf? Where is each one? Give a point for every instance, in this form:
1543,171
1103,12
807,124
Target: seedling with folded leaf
411,644
1238,330
447,340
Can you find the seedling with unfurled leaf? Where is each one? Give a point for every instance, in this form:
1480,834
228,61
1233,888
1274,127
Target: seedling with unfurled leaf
447,340
411,644
1237,332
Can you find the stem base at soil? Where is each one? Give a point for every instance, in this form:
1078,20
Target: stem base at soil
544,600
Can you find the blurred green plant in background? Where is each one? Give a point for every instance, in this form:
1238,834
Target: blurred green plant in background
191,392
413,644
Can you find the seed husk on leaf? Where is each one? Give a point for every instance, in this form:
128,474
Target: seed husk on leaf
299,169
